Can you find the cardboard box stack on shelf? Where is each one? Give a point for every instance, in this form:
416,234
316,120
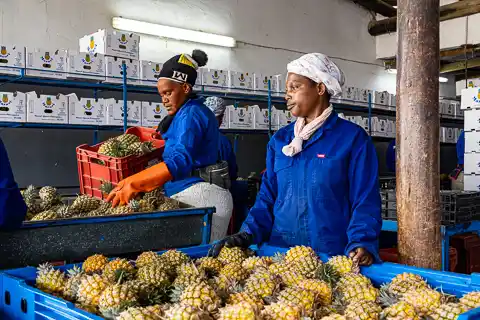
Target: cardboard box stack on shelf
46,63
149,72
152,113
12,59
470,104
42,108
13,107
86,111
85,66
115,110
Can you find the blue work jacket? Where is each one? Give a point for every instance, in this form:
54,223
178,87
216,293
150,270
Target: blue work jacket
326,197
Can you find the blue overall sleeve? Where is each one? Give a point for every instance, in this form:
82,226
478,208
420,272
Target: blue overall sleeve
259,221
180,149
12,206
366,220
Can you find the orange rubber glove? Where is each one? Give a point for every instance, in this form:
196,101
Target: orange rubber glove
144,181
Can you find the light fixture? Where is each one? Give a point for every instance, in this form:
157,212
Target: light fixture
172,32
394,71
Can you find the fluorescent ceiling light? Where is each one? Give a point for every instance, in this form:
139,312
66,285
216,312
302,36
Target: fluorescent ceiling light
440,79
172,32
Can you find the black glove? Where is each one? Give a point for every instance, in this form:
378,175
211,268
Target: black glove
241,239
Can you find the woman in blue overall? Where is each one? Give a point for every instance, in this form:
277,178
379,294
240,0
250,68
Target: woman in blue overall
191,139
321,187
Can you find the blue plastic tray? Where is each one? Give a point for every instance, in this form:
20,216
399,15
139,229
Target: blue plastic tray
20,300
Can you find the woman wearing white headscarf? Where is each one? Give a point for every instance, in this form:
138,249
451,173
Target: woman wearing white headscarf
320,188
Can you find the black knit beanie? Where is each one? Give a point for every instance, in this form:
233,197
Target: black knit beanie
182,68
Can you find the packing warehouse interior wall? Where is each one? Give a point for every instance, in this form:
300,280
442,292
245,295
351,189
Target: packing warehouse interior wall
270,33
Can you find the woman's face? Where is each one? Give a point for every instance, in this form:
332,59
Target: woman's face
302,95
173,94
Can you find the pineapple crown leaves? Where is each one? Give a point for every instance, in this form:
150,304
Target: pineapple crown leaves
155,295
106,187
387,298
75,271
327,273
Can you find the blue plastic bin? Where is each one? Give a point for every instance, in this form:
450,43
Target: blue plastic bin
20,300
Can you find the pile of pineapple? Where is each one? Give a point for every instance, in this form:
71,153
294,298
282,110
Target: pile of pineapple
125,145
46,204
238,285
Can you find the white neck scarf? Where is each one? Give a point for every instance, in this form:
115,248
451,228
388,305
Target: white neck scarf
304,131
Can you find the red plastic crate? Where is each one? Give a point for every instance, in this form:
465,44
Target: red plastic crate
94,168
391,255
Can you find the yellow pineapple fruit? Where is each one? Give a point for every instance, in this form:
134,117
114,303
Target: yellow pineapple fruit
175,258
363,310
186,312
115,299
49,279
94,264
141,206
232,255
49,197
448,311
471,299
75,276
189,274
201,295
119,210
137,313
334,316
153,274
279,268
400,311
118,267
211,265
240,297
342,264
83,204
127,140
146,258
291,278
261,287
404,282
252,263
281,311
303,299
299,253
308,266
323,291
90,289
233,271
45,215
241,311
424,300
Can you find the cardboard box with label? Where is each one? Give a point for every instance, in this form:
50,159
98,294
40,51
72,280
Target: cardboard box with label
458,110
381,98
472,163
111,43
260,83
226,120
261,118
391,129
241,81
285,118
86,66
350,94
450,135
150,72
472,141
470,98
240,118
12,58
363,95
198,82
472,120
471,83
215,80
115,109
46,63
13,107
448,107
471,182
47,108
393,100
114,70
86,111
152,113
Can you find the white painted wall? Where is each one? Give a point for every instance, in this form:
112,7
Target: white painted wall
335,27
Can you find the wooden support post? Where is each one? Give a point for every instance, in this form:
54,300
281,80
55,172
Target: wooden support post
418,121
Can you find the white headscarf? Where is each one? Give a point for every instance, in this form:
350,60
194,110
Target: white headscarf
319,68
216,104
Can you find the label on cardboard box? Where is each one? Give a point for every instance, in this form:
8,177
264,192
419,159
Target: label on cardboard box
47,108
13,107
152,113
11,59
215,80
450,135
150,72
46,63
381,97
363,95
114,71
240,118
285,118
261,119
111,43
470,98
115,109
241,80
86,66
86,111
350,93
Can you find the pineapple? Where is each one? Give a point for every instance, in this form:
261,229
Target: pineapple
141,206
211,265
307,266
94,264
116,268
186,312
106,187
448,311
252,263
189,274
155,197
49,279
87,308
240,297
234,271
291,278
90,289
299,253
83,204
175,258
349,279
400,311
139,286
146,258
153,274
342,264
135,313
202,296
404,282
471,299
140,148
115,299
45,215
303,299
127,140
335,316
363,310
64,212
278,268
232,255
261,287
49,197
112,148
424,300
31,197
241,311
281,311
168,204
102,210
360,293
322,290
119,210
75,276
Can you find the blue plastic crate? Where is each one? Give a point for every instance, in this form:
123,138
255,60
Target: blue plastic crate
20,300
